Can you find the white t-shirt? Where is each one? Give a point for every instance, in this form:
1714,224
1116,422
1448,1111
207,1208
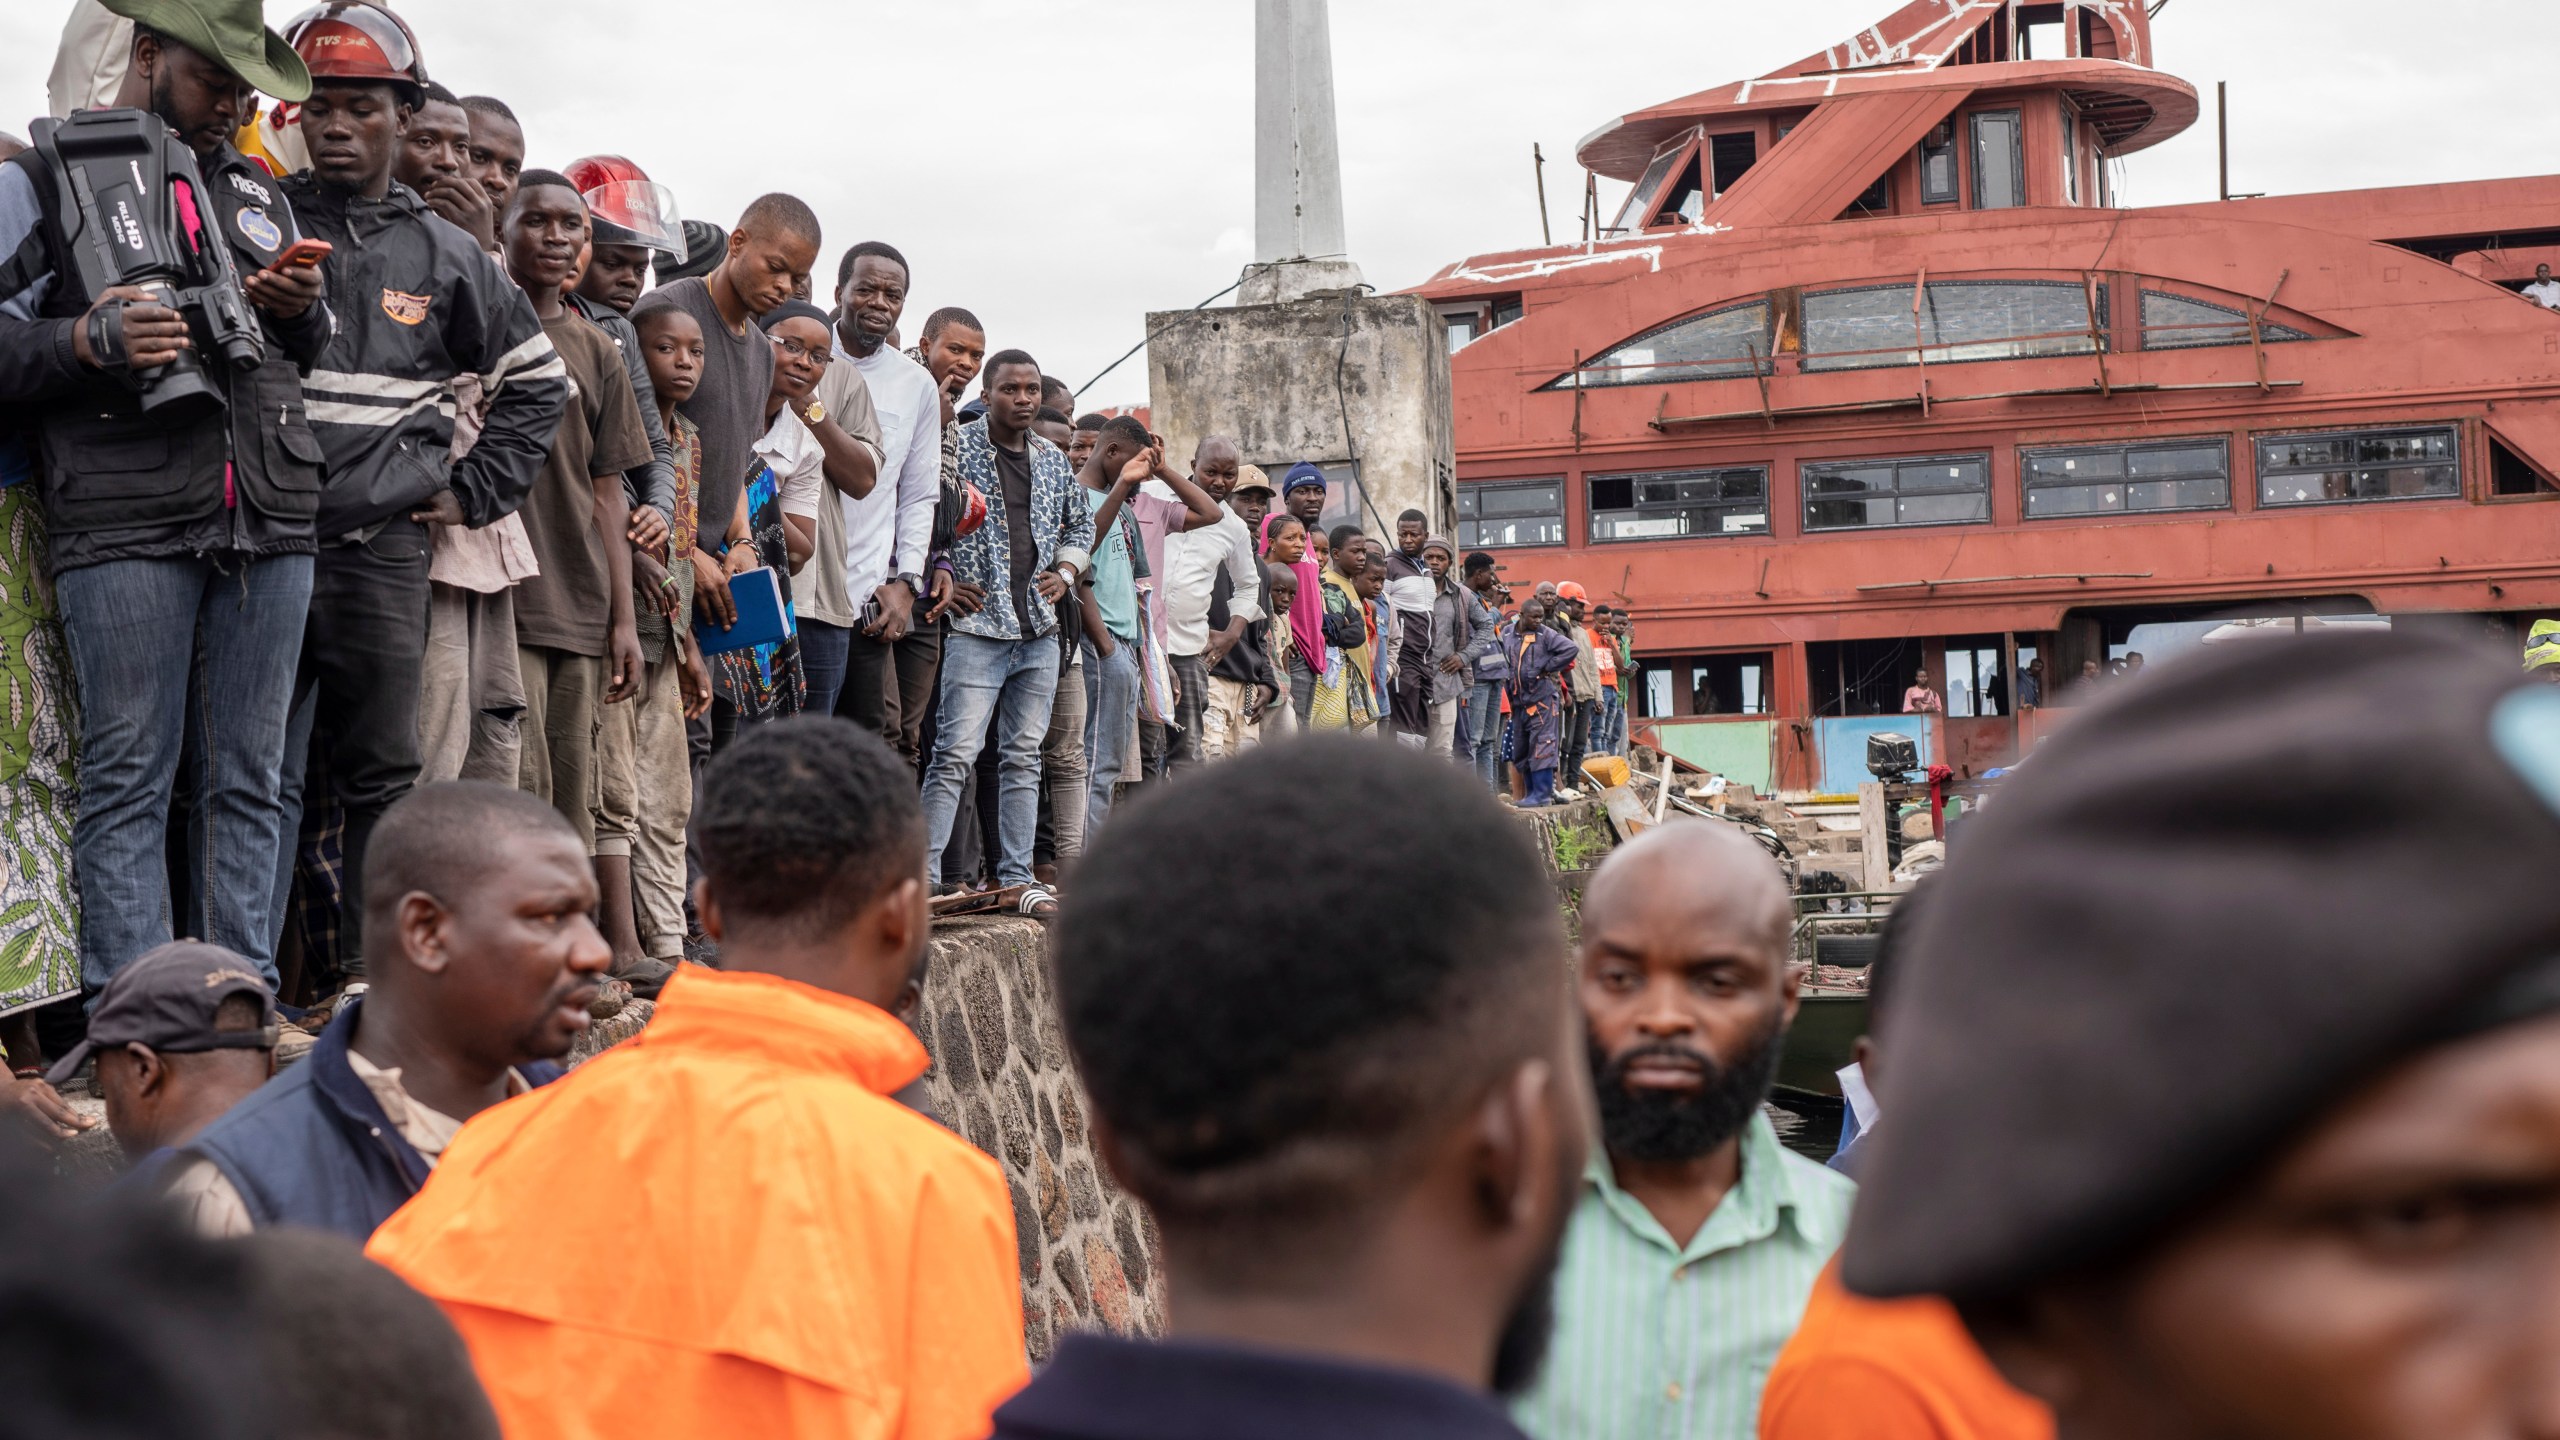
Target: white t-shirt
2545,293
888,531
797,463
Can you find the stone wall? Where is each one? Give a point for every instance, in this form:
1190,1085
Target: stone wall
1328,379
1001,1078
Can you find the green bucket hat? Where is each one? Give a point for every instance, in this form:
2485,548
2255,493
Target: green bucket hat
232,34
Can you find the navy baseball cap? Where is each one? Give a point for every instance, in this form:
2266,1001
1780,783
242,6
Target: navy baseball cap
167,999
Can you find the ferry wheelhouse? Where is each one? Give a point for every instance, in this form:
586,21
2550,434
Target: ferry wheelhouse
1872,375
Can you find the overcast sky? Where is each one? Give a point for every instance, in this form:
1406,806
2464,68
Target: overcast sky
1062,167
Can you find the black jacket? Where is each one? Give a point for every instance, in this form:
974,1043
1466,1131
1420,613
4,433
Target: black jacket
419,303
117,485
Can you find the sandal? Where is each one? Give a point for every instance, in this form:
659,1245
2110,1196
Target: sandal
1038,902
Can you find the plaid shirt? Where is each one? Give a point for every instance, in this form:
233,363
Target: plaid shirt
1061,532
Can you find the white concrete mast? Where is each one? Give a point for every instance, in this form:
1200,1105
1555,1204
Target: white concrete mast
1298,245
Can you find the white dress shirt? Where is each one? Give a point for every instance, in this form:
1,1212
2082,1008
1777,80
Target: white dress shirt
888,531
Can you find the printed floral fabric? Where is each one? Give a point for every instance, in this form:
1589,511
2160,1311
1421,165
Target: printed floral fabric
39,784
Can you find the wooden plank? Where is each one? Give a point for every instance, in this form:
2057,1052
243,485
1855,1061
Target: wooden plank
1875,864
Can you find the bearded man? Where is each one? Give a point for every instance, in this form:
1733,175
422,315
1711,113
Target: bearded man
1697,1237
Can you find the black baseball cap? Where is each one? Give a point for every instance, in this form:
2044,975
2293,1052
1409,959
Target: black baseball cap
166,999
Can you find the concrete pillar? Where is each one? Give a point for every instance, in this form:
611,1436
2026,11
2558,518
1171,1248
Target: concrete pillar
1298,246
1359,385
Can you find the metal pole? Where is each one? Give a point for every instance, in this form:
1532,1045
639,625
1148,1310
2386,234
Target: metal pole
1545,234
2222,122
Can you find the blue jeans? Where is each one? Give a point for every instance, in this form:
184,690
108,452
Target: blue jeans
133,628
1006,686
1111,712
824,649
1484,723
1612,723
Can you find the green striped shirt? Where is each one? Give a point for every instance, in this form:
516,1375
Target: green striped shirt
1653,1340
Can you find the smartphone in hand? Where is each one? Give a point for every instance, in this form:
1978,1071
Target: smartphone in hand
302,255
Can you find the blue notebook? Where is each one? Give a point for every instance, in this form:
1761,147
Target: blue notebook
762,617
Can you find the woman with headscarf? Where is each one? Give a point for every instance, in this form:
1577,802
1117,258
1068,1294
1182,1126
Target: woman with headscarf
1540,658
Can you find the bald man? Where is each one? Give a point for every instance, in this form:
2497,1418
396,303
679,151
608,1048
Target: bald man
1697,1237
1194,559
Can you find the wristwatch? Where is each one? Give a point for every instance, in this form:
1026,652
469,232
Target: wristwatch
914,583
815,413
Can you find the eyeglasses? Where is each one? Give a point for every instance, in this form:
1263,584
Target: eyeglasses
819,356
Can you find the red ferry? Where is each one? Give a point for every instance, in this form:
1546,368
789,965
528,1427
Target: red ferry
1871,375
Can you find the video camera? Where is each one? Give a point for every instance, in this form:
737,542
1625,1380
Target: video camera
134,212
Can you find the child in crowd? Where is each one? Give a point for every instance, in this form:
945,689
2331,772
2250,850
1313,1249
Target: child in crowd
1279,715
646,740
575,635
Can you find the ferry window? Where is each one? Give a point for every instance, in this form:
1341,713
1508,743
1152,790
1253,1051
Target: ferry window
1686,200
2070,153
1464,326
1492,514
1999,180
2175,322
2353,465
2041,33
1732,154
1637,210
1667,505
1938,167
1714,346
1710,685
1862,677
1471,320
1874,494
2512,474
1873,326
1976,689
2127,479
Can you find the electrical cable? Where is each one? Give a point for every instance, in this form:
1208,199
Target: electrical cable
1182,318
1342,401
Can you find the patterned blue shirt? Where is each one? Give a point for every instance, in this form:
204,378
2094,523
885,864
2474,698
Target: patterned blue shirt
1061,530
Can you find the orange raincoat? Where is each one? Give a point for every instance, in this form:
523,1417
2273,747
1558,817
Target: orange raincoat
725,1227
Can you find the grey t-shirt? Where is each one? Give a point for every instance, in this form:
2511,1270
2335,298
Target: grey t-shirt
728,406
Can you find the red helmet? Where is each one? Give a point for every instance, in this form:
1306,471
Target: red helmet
625,207
358,40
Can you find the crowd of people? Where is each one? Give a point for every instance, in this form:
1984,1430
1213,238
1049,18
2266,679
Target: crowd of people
516,625
493,505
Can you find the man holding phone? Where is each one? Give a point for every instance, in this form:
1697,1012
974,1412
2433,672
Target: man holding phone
433,307
159,532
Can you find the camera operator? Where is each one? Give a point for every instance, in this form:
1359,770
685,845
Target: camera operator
425,305
164,532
